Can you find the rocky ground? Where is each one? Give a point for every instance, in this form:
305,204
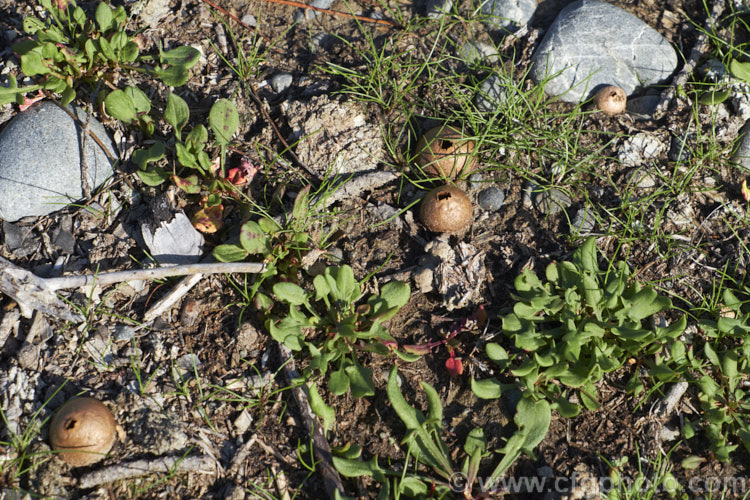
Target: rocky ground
203,379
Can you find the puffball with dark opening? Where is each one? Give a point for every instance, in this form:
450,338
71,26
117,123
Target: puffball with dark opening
83,431
446,208
444,152
611,100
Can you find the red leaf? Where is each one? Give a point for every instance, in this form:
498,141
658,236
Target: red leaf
208,219
454,366
236,176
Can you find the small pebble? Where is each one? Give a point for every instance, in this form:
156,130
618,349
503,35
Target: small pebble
475,179
250,20
491,198
491,94
583,222
680,148
124,333
551,201
280,82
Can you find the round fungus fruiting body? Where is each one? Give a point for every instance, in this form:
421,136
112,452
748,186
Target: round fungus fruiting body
83,431
446,208
444,152
611,100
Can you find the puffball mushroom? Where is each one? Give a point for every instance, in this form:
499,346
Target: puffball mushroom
444,152
83,431
611,100
446,208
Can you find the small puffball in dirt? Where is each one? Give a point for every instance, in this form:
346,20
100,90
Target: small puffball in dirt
83,431
446,208
611,100
445,152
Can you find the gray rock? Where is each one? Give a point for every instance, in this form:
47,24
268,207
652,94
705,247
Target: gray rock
741,155
640,149
155,11
641,178
280,82
40,161
681,147
476,179
250,20
303,15
491,94
491,198
173,242
475,53
583,222
593,43
435,9
551,201
644,105
507,15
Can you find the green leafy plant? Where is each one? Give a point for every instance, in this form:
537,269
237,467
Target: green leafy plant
68,48
426,445
724,381
334,328
576,326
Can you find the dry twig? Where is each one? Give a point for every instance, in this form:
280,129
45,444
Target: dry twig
165,465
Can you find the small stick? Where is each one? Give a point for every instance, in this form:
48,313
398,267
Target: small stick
165,465
91,133
700,47
175,294
321,448
66,282
85,186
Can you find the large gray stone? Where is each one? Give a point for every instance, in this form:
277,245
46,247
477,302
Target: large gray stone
741,155
592,43
40,161
507,15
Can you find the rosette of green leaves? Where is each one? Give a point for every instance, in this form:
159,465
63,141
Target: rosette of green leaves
574,326
724,381
130,105
425,443
68,48
334,328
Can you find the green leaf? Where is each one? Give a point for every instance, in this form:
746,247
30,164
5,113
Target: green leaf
129,52
497,354
106,49
338,382
692,462
185,157
153,177
360,378
490,388
413,487
118,41
140,100
224,121
565,408
740,70
252,237
32,64
67,96
301,204
144,156
103,16
713,97
435,407
710,354
585,256
119,104
79,16
647,303
181,56
395,293
31,25
321,409
176,113
197,137
189,184
229,253
289,292
406,412
173,76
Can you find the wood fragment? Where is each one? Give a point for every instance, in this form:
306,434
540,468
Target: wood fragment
666,406
32,292
321,448
201,464
699,50
366,19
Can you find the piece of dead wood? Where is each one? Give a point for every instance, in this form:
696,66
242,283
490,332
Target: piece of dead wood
32,292
201,464
699,50
355,185
666,406
321,448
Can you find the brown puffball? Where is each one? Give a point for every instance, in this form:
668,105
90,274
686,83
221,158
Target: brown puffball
446,208
83,431
611,100
443,152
